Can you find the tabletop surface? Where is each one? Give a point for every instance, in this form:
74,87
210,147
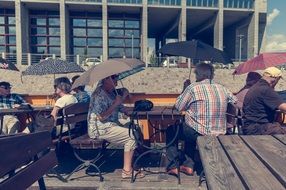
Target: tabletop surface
244,162
19,111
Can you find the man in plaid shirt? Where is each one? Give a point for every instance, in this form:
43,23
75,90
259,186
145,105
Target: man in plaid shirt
205,104
11,123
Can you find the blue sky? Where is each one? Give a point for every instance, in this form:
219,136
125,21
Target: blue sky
279,22
276,27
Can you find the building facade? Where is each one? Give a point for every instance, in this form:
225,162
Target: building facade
75,29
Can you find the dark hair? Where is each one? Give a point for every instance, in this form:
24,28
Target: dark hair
80,88
63,83
4,83
204,71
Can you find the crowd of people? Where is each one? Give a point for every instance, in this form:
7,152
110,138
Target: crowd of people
203,101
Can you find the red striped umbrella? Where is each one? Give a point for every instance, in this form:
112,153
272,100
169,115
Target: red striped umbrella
261,62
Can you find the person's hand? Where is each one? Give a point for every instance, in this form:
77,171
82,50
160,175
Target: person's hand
16,105
186,83
125,93
118,100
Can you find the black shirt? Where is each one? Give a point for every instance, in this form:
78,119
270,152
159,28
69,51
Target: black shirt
260,103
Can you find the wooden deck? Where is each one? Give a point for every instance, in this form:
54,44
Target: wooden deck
112,176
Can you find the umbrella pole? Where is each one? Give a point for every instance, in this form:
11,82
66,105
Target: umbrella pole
114,86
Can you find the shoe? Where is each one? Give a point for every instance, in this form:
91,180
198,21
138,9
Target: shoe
128,174
187,170
173,171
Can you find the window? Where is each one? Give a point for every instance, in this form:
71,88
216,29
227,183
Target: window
86,37
45,32
7,31
124,38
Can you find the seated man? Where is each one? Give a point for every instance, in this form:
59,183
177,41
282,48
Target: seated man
11,123
260,105
205,104
104,121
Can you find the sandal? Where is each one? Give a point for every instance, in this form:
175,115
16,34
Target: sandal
128,174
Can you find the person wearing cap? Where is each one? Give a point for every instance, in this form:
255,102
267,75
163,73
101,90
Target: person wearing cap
8,100
260,105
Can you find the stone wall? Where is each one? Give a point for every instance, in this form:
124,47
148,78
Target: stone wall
150,81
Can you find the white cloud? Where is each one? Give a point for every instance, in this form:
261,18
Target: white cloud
275,43
271,16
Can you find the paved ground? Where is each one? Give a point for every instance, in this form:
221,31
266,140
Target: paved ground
112,175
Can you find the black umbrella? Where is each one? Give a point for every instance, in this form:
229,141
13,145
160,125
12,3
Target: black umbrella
195,49
4,64
52,66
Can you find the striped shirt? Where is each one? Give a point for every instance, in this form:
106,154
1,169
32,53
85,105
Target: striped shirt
205,105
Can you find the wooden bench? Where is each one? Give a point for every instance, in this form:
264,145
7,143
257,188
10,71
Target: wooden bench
244,162
77,114
25,159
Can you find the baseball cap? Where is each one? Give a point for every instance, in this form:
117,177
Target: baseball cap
272,72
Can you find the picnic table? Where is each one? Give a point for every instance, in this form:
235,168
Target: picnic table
160,117
244,162
22,114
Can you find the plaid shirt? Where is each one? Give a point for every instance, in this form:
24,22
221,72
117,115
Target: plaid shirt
7,102
205,104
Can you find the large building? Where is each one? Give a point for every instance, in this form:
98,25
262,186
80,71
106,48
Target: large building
74,29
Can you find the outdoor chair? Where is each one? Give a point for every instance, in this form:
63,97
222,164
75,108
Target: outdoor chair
77,113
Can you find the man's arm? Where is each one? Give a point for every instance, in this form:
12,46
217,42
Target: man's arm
184,99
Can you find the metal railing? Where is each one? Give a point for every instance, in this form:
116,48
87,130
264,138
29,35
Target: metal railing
10,57
138,2
82,59
202,3
239,4
85,1
165,2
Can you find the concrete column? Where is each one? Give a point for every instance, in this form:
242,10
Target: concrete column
218,27
104,30
252,32
144,32
22,30
183,22
65,28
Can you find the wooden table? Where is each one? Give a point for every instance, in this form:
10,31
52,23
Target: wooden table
22,114
159,117
244,162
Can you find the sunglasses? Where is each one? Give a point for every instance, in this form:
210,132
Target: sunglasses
6,87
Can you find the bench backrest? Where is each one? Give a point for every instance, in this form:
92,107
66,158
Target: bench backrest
22,149
75,113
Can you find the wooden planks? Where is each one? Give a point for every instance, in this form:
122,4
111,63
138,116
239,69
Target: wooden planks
271,152
19,149
218,170
252,171
281,138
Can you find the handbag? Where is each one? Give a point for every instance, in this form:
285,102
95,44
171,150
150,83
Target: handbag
143,105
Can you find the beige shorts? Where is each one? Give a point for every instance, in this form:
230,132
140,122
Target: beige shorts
118,134
11,124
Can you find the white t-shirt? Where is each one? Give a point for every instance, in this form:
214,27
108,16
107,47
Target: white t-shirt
65,101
